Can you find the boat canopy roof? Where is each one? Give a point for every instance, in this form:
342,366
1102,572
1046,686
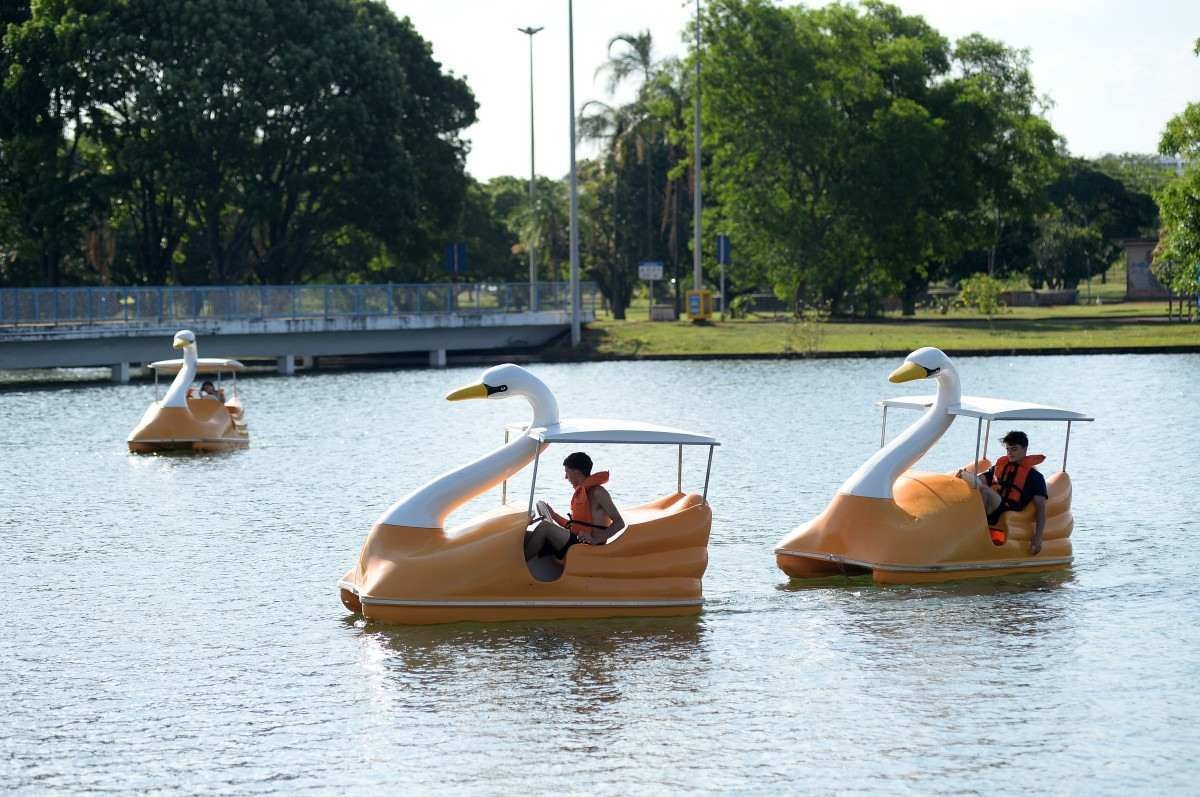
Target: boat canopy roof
204,365
992,409
608,430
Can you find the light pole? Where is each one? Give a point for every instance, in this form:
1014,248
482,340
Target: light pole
575,331
529,31
697,272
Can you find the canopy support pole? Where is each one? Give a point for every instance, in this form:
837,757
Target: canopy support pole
707,471
987,433
679,472
504,484
1066,447
533,483
978,430
883,430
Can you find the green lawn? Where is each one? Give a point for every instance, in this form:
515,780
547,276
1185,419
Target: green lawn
1116,326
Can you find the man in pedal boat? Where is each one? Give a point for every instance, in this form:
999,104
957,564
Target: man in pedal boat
1010,484
593,518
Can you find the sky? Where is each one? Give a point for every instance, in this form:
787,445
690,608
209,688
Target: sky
1114,70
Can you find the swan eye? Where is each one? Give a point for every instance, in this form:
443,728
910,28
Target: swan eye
931,371
497,389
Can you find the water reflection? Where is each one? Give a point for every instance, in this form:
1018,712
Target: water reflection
1084,677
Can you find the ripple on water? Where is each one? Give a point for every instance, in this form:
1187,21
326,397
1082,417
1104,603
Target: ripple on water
173,625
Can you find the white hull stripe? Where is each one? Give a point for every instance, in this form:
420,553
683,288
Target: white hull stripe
1008,564
188,440
523,604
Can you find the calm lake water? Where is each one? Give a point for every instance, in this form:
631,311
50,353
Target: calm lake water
172,624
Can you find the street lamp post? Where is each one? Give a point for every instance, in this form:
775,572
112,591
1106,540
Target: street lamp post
697,272
529,31
575,331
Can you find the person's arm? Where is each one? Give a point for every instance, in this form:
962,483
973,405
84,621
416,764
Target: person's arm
599,536
1035,545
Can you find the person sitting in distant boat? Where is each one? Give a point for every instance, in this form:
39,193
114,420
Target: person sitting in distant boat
1010,484
593,518
209,390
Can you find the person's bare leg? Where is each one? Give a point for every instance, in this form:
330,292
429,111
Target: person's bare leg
991,499
546,530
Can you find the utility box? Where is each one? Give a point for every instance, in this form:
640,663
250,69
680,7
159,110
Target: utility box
699,305
663,312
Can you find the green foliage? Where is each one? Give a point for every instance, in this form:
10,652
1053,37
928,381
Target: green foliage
268,141
1138,172
1177,259
856,154
1081,232
636,196
981,293
1066,253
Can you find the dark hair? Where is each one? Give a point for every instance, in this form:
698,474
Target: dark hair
1016,438
207,383
579,461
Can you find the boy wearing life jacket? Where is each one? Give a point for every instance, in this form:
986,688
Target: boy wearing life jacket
593,518
1010,484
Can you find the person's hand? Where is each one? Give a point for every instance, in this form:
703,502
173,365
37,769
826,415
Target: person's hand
1035,546
586,539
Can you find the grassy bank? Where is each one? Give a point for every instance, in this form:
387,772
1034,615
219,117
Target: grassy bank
1075,328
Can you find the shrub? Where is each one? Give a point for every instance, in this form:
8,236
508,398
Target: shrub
982,293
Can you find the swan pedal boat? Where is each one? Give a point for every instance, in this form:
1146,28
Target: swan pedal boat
413,570
904,526
184,421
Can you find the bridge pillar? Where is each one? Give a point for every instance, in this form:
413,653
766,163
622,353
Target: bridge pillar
120,373
286,364
437,358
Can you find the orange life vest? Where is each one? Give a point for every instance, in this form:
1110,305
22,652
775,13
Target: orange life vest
1009,478
581,504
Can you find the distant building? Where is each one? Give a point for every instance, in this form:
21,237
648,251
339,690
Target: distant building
1140,282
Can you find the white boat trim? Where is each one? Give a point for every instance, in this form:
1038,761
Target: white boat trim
1007,564
990,409
204,365
533,604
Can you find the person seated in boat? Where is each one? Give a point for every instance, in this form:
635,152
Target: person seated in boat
1014,481
209,390
593,518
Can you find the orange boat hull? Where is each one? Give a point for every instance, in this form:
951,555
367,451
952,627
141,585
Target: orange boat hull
204,425
934,530
478,572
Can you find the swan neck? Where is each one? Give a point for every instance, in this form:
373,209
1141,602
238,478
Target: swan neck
543,403
875,477
177,393
429,505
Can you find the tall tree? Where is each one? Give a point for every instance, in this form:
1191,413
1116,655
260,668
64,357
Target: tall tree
49,180
1177,258
261,131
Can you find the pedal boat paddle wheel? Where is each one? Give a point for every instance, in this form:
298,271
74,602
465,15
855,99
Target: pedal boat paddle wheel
414,570
183,420
904,526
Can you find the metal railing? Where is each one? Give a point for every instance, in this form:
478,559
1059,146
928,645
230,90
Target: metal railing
162,304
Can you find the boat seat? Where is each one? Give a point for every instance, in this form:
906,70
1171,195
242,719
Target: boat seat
655,509
1019,525
550,568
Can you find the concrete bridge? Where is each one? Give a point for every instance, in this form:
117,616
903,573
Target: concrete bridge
119,327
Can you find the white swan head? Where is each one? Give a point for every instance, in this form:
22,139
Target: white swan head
508,380
922,363
874,478
184,338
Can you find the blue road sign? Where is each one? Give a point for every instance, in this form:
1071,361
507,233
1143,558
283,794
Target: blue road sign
456,257
724,250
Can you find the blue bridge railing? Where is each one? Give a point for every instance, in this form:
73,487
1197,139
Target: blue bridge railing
161,304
